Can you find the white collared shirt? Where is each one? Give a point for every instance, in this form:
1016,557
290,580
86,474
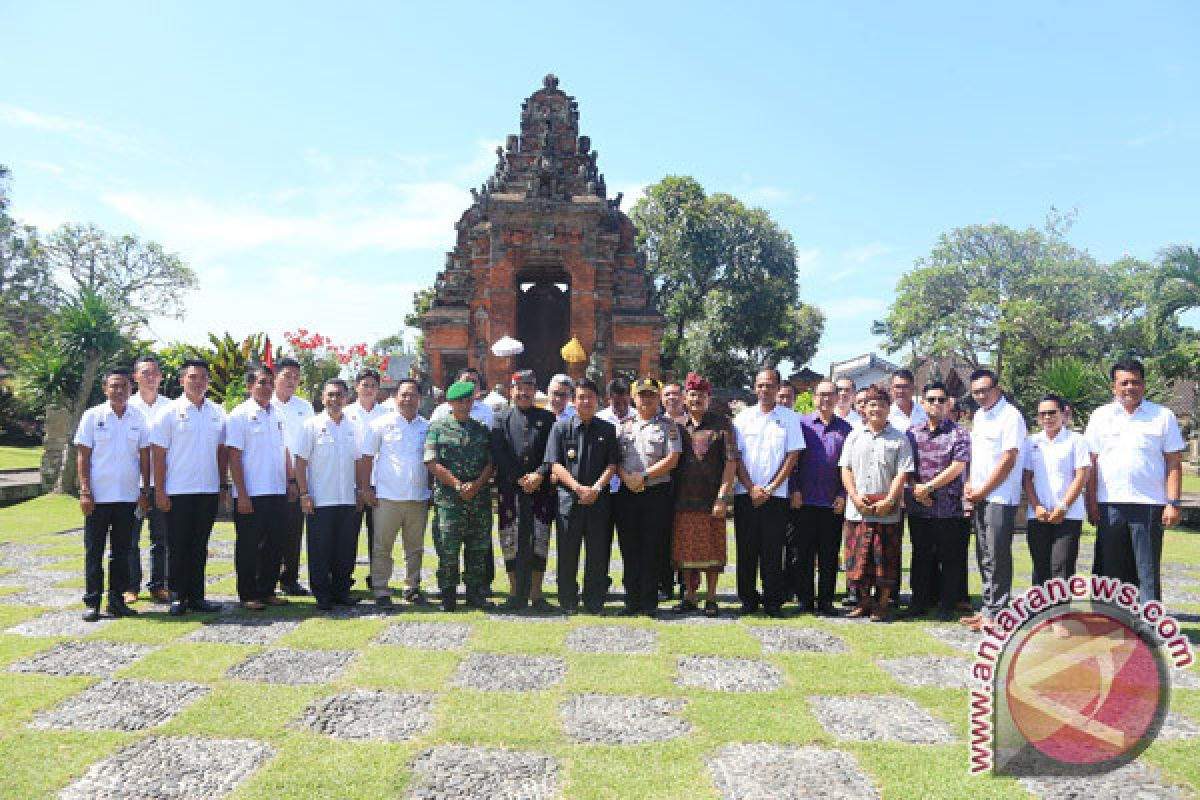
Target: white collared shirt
116,444
295,412
994,432
363,419
567,412
902,422
1053,463
398,447
764,440
608,415
191,437
257,433
480,411
1131,464
331,451
150,412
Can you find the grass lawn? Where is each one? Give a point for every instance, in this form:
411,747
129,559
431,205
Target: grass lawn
40,762
1191,484
20,457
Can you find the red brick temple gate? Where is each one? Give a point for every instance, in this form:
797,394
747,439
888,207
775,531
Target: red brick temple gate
543,255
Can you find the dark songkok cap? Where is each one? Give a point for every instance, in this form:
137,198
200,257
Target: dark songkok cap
523,376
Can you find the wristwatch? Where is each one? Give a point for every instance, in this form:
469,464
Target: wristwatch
1176,503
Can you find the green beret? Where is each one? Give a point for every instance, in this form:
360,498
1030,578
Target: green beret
460,390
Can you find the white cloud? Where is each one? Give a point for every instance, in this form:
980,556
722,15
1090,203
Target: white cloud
16,117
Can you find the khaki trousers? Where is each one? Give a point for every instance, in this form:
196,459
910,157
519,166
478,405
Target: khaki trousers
406,517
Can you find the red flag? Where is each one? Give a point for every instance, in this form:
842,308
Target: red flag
268,357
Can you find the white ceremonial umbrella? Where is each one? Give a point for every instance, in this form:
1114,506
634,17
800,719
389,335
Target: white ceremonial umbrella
507,346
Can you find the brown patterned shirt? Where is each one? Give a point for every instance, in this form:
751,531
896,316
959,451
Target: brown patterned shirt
707,447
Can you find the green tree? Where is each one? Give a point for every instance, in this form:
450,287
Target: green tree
139,278
725,278
28,293
1015,300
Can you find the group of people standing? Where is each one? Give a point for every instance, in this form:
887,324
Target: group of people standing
656,466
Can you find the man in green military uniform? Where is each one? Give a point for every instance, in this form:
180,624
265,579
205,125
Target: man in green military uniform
459,457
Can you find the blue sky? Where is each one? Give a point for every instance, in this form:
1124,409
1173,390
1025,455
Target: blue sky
310,161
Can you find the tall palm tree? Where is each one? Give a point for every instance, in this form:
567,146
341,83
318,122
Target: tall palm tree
1177,282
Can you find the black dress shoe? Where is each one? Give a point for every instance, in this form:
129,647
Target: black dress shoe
384,602
177,609
449,604
913,612
542,605
295,590
748,608
480,603
204,607
774,612
851,599
684,607
514,604
416,597
324,605
347,601
91,614
119,609
826,610
627,612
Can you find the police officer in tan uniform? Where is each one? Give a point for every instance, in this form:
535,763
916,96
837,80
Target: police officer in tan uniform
649,446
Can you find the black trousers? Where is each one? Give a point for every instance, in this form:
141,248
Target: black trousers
590,527
1053,548
332,548
189,524
157,522
938,568
814,537
260,538
114,523
666,572
293,538
760,534
643,525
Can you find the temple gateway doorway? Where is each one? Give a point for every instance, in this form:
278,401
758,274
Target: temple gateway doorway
543,325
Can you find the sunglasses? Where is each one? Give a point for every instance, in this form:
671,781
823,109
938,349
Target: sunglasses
936,399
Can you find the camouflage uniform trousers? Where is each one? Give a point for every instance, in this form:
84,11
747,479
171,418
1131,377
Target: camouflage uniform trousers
466,528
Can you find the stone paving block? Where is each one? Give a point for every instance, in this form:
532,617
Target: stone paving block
121,705
1175,596
243,630
1185,678
728,674
362,714
612,639
878,717
50,596
608,719
91,657
1177,726
177,767
59,623
782,639
426,635
778,772
288,666
497,672
33,578
937,671
1134,781
443,773
960,637
23,557
725,618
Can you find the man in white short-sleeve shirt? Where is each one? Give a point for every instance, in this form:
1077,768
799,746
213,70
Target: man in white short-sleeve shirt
905,412
295,411
394,448
188,448
147,376
362,412
994,489
1056,465
327,470
258,466
113,457
770,439
1137,481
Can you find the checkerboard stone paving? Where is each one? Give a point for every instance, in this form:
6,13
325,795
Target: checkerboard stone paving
59,623
937,671
75,657
426,635
607,719
177,767
285,665
51,596
243,630
30,578
612,639
780,639
25,557
496,672
442,773
960,637
866,718
760,771
728,674
362,714
1134,781
121,705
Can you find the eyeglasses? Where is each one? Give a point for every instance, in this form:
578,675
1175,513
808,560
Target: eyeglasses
1048,413
935,399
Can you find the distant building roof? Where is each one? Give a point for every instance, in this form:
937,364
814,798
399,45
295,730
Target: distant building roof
861,364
